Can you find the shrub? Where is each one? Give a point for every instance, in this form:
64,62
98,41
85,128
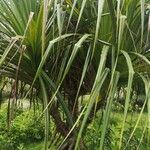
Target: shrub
24,130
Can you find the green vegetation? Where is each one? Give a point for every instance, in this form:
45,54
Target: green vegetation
27,133
55,52
35,146
25,129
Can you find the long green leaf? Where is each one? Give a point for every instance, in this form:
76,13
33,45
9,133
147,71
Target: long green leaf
129,89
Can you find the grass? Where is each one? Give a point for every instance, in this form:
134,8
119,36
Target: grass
92,138
113,132
131,117
34,146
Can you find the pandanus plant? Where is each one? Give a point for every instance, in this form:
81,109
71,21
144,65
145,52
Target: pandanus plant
64,49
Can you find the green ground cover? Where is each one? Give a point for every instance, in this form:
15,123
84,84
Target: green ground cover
27,134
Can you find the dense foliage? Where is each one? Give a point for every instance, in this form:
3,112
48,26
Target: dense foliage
27,132
25,129
60,50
